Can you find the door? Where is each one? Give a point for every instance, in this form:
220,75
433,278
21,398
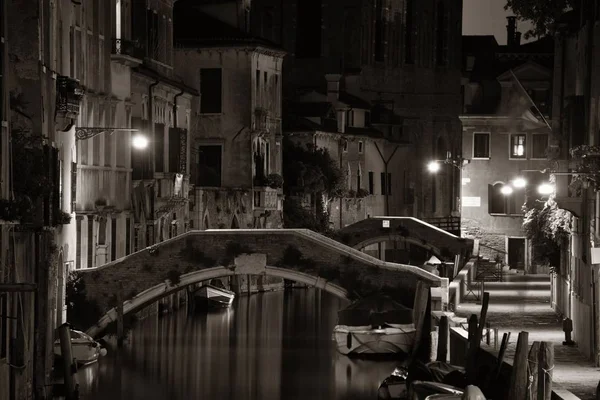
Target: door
516,253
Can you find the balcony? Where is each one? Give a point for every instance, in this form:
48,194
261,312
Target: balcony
69,93
265,198
127,52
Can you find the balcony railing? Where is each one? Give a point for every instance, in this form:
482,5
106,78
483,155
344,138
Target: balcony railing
69,93
265,198
129,48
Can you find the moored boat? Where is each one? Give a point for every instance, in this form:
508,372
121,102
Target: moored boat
375,325
84,348
211,296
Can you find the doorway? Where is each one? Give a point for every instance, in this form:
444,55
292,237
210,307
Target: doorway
516,253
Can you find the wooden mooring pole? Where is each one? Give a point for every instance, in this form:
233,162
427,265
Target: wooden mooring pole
519,378
532,371
443,331
545,367
69,364
120,321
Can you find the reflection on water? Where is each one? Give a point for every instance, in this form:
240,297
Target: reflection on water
268,346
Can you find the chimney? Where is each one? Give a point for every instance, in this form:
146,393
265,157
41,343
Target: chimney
333,87
511,30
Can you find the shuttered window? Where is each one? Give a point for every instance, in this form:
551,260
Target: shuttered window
210,90
174,150
159,147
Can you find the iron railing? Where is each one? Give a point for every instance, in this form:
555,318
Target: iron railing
128,48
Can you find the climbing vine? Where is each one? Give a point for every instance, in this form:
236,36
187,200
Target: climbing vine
309,170
548,228
587,163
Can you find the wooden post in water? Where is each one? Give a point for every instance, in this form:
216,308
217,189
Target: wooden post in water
532,371
419,310
471,356
249,278
69,365
518,377
545,367
442,349
120,322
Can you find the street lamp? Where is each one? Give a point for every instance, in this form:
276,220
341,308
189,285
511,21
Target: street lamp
546,189
458,162
519,182
433,167
139,141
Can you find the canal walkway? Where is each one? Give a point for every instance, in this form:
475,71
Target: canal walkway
522,303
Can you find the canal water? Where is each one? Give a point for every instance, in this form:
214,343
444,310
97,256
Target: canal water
268,346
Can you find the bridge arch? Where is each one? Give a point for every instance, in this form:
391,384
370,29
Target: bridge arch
397,237
294,254
166,288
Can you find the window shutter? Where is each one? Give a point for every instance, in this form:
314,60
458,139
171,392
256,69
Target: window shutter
490,198
174,150
56,206
159,147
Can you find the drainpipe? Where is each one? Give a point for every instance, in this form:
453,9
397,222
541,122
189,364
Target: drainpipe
175,107
151,119
385,169
341,152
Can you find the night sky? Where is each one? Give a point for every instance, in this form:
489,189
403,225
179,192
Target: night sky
488,17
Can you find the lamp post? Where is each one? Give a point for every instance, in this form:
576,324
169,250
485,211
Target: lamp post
434,166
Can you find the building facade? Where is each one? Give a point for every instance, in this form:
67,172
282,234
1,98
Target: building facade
236,131
374,165
575,285
401,56
507,101
161,110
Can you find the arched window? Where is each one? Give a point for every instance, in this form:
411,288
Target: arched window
496,200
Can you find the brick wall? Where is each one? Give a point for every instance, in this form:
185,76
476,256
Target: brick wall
190,252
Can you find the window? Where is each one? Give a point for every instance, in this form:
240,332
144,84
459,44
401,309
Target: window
127,236
209,166
360,147
539,144
371,183
386,183
496,200
499,203
210,90
308,29
358,182
113,239
517,146
159,147
481,145
78,243
90,241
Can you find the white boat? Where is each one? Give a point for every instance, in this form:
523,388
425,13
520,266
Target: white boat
388,340
375,325
211,296
84,348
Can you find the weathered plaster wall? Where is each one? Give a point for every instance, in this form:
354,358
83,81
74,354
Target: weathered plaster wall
231,208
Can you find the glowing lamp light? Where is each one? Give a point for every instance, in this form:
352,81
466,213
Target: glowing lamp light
139,142
433,166
545,189
519,182
506,190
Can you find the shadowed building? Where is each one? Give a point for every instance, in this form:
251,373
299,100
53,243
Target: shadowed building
504,135
236,123
399,55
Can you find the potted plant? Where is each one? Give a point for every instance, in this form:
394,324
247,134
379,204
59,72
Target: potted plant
100,203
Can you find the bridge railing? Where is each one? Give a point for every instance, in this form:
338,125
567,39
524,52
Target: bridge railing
449,224
443,282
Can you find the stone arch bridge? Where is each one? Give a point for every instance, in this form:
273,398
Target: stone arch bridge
410,230
295,254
